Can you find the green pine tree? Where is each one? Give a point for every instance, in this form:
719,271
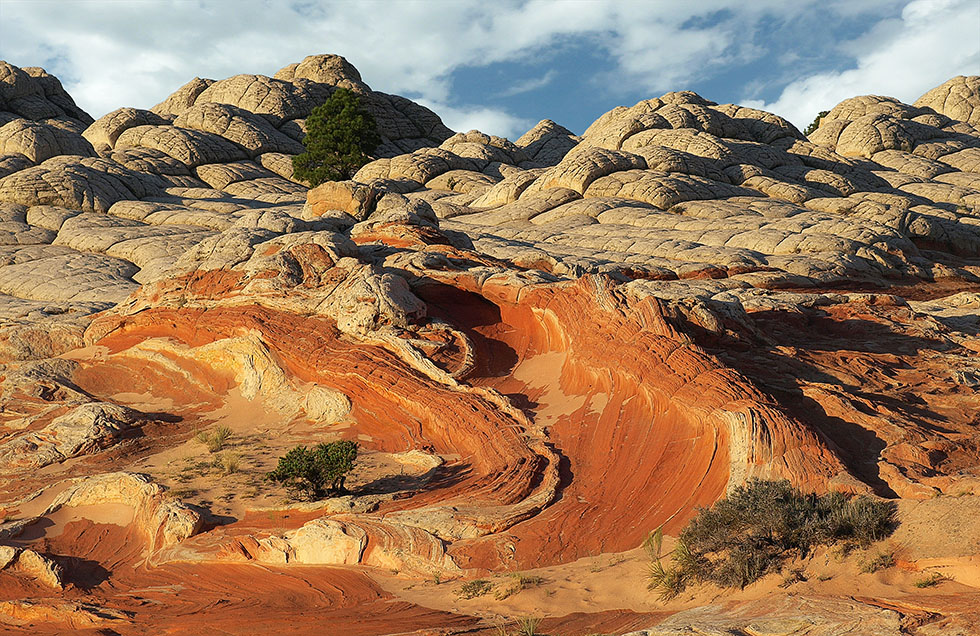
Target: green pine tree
317,471
340,134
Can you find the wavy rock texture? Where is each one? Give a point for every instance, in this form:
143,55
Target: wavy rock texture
546,348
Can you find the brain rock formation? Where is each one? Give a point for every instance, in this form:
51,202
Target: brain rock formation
546,348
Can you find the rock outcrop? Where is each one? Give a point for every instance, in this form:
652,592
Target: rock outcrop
546,347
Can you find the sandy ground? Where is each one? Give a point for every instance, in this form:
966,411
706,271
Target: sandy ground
619,581
936,544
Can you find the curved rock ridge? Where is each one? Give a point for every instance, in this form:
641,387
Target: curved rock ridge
510,493
31,93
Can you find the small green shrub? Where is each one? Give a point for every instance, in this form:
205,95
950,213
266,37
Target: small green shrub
519,583
214,439
473,589
752,531
815,123
880,561
528,626
668,581
933,579
316,471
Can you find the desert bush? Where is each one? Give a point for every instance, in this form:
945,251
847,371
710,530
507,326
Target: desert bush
340,134
472,589
227,463
528,626
215,438
519,583
756,527
933,579
880,561
316,471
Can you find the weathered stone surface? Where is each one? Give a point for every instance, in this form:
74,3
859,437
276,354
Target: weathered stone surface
347,196
163,521
7,555
190,147
182,99
958,98
328,541
38,141
31,93
325,405
694,289
106,130
40,568
817,616
77,182
251,132
79,431
547,143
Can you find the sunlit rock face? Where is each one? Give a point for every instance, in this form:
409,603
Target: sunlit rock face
546,347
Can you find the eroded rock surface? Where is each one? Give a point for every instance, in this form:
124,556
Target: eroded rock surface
546,347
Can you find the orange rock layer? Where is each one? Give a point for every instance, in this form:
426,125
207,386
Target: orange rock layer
644,427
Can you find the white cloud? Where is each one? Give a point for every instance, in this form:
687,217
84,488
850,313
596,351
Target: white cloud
933,41
492,121
111,54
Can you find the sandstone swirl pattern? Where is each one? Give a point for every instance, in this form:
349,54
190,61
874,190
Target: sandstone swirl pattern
576,337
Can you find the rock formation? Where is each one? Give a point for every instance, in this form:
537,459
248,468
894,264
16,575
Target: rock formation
546,347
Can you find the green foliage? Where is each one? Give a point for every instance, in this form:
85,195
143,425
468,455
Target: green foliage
214,439
815,123
880,561
749,534
528,625
668,581
933,579
472,589
316,471
340,134
519,583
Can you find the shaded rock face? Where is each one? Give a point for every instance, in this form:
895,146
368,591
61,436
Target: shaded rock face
570,339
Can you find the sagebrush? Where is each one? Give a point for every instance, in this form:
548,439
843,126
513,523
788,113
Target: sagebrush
754,529
215,438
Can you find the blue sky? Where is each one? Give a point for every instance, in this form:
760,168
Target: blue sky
502,66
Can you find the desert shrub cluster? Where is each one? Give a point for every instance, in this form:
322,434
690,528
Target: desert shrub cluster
214,439
753,530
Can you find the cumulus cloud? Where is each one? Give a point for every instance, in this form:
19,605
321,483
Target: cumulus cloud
111,54
493,121
932,41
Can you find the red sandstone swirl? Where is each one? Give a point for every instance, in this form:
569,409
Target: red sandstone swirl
656,428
